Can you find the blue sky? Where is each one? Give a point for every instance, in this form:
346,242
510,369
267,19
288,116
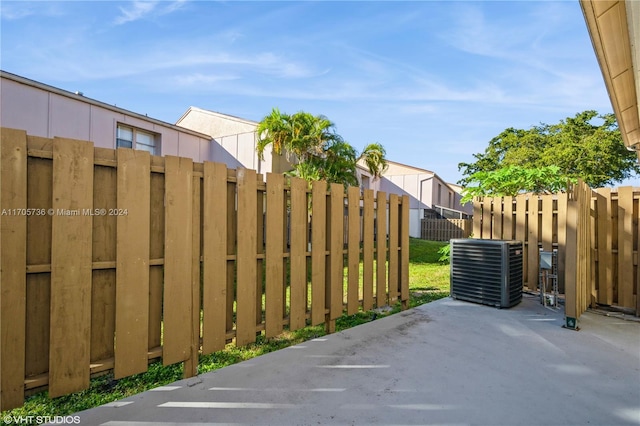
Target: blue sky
432,81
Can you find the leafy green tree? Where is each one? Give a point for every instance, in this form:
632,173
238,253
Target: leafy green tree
512,180
577,146
316,150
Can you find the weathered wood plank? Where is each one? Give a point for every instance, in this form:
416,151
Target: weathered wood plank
13,261
132,270
70,327
477,217
507,227
214,247
274,302
394,241
246,262
336,258
626,279
487,218
547,222
367,251
318,251
381,249
562,239
178,249
191,364
156,251
298,254
353,250
404,252
532,238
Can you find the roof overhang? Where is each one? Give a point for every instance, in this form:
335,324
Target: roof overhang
614,27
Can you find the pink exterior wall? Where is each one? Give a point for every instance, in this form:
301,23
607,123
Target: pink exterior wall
49,113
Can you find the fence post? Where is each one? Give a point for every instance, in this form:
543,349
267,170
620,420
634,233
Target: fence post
404,252
13,261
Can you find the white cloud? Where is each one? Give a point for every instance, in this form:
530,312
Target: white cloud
142,9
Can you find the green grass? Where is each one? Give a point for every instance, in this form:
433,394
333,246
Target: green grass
428,281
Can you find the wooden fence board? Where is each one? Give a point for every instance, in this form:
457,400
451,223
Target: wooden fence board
353,250
103,289
404,252
394,241
178,252
381,249
367,251
13,261
274,303
547,222
496,232
487,216
532,239
39,196
298,254
232,235
132,269
156,251
70,325
507,226
562,239
190,368
477,213
318,251
336,257
626,279
246,262
214,268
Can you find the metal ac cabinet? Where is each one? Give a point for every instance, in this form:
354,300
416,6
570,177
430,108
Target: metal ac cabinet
487,271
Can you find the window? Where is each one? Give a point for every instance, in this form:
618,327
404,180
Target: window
130,137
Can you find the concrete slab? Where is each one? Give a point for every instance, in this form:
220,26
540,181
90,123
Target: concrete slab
445,363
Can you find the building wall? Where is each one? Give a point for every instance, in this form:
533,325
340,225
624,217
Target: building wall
215,124
48,113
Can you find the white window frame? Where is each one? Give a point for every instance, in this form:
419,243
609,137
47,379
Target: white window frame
135,142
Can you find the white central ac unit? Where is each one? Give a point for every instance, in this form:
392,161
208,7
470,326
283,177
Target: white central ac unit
487,271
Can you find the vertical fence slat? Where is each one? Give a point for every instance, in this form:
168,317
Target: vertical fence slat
191,364
497,219
71,267
625,247
507,227
394,240
156,251
353,250
404,252
367,251
562,239
547,222
603,224
246,262
132,264
336,258
177,263
214,267
487,210
381,249
318,251
298,254
477,214
274,280
13,256
532,238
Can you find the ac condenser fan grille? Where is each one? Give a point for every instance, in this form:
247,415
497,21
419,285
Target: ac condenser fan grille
487,271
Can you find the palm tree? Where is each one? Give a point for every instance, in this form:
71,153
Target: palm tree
320,153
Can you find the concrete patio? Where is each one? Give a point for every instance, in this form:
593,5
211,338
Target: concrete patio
445,363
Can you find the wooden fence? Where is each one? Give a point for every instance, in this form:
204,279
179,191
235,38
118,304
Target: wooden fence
445,229
595,233
110,259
